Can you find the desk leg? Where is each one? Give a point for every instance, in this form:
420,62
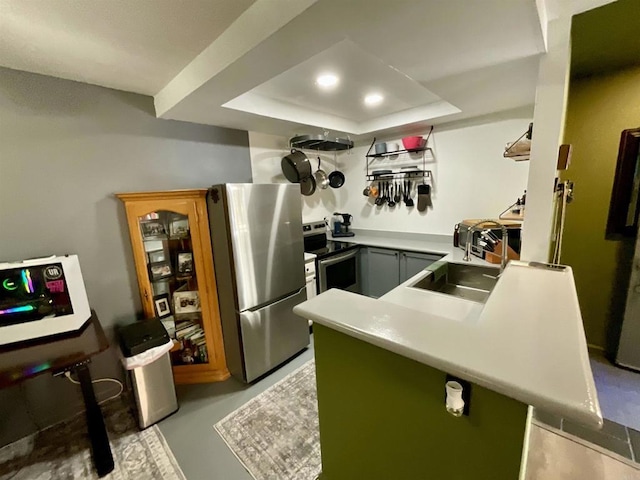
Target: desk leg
100,448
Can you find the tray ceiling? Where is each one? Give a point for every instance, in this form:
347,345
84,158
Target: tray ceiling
252,64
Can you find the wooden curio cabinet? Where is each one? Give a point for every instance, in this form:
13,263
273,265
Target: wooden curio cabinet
174,263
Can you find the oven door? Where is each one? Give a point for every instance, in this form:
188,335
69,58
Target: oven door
339,271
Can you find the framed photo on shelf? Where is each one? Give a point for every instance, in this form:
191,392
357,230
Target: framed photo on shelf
186,302
179,227
184,263
169,324
162,305
152,230
162,286
157,256
160,270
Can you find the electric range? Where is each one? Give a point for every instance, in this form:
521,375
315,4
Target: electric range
337,262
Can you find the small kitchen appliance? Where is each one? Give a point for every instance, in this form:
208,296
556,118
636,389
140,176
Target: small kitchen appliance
41,297
340,225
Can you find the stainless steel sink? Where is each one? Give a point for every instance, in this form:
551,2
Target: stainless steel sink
471,282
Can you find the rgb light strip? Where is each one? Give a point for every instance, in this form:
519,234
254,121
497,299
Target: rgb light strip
26,280
26,308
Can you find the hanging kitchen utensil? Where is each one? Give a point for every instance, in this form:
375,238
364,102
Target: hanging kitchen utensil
391,202
296,166
424,196
409,201
397,198
380,199
322,181
308,186
336,178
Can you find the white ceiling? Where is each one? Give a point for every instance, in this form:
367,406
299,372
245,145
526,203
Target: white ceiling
359,72
132,45
251,64
479,57
294,93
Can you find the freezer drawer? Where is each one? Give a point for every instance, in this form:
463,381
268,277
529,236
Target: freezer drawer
272,334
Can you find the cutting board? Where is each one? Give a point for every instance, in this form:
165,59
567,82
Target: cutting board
507,223
496,255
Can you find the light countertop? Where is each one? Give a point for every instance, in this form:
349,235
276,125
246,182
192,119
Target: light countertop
527,342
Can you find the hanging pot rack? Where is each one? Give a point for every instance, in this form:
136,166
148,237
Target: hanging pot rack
321,143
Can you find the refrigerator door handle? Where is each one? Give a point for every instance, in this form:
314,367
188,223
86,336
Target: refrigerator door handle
283,299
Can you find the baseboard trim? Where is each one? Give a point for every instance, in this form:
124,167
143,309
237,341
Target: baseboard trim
596,348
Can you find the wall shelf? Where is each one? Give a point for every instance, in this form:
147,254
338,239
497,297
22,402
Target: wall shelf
397,152
396,173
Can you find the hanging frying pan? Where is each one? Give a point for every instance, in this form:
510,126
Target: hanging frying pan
322,181
308,186
336,178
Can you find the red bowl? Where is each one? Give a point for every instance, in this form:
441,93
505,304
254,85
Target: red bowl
412,143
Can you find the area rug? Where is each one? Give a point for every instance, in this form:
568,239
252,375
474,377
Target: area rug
275,435
62,451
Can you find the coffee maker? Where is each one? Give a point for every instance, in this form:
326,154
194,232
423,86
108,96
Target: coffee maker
340,225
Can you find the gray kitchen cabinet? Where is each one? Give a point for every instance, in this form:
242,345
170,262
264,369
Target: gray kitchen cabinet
383,269
412,263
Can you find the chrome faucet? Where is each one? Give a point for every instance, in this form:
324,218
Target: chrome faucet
505,241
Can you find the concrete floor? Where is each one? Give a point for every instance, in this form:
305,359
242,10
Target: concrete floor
202,454
198,448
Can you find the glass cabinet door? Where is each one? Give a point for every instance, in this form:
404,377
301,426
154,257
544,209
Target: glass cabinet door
166,237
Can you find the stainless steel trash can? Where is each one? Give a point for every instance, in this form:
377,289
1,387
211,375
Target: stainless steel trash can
153,387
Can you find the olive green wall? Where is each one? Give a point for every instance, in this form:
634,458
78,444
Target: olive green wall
382,417
599,108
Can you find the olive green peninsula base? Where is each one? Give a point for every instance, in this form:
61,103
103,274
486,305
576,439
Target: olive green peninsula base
383,417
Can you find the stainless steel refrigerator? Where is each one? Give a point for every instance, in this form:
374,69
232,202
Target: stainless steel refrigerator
258,252
628,354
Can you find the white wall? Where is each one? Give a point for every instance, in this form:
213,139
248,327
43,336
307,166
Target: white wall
471,179
550,108
266,152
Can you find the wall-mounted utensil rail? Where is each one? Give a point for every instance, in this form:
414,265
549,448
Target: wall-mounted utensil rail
399,174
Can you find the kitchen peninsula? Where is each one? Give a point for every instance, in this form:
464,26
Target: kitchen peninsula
382,366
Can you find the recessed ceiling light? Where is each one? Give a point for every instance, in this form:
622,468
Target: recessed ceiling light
373,99
327,80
